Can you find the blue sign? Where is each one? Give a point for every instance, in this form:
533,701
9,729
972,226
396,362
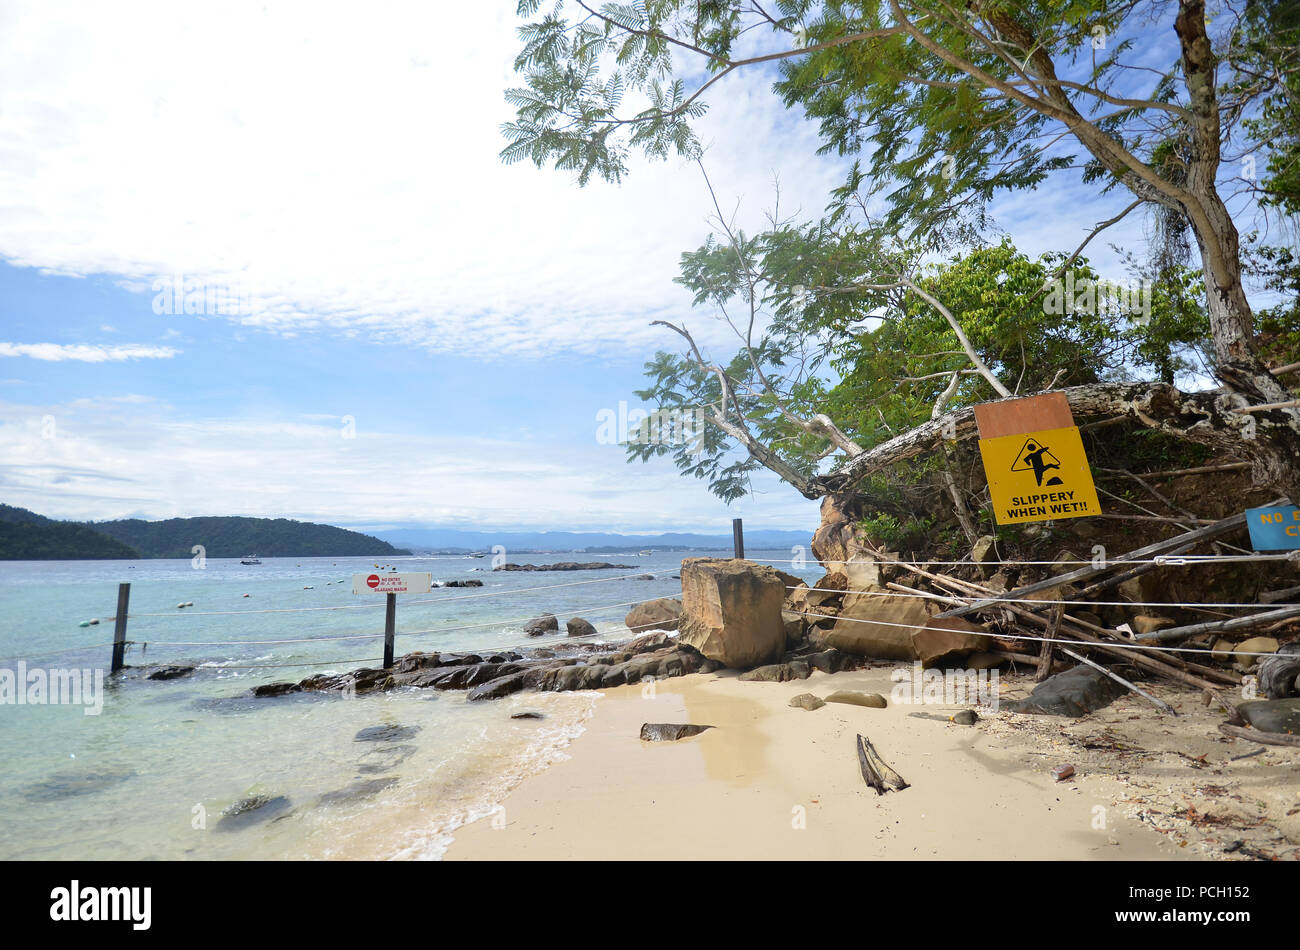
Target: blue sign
1274,529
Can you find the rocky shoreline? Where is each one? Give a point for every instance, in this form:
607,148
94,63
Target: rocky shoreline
577,667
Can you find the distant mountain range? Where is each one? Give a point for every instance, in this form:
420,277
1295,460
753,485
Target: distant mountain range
447,540
27,536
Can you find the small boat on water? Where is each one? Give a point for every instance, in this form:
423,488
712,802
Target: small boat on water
251,559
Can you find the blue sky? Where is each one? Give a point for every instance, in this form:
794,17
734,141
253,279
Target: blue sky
471,318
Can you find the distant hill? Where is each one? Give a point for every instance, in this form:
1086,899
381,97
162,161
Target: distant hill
449,540
235,537
27,536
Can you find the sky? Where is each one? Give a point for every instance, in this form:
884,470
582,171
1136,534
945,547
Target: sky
417,334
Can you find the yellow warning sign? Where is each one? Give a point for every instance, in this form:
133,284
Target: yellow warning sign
1039,476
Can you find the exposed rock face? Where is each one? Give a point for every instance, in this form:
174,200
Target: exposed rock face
1074,693
546,623
663,613
669,731
577,627
892,627
794,628
877,626
732,611
565,566
947,640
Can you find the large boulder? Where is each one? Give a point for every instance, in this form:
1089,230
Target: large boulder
662,613
948,640
732,611
546,623
1247,652
1272,715
886,626
1074,693
878,625
578,627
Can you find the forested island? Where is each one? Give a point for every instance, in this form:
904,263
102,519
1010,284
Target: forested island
28,536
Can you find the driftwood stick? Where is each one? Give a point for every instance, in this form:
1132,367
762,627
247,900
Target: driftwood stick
1172,634
1158,703
1273,596
1045,650
1255,735
875,770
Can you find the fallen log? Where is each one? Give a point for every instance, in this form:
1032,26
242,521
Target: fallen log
876,772
1044,669
1255,735
1174,634
1273,596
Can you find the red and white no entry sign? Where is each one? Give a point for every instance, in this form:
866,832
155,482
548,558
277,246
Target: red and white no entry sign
394,583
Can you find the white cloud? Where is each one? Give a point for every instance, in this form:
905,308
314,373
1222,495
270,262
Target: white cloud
87,459
342,168
87,352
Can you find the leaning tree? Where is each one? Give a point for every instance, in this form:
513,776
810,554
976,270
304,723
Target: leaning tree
941,107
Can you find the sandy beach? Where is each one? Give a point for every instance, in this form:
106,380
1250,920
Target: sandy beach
776,782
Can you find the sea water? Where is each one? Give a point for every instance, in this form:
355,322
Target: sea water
150,776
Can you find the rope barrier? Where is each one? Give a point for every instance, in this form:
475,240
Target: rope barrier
412,603
1120,644
1163,560
995,599
376,636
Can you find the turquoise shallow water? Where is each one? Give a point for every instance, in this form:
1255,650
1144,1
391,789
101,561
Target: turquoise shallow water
150,775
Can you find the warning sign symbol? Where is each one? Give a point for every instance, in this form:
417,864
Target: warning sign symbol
1039,476
1036,457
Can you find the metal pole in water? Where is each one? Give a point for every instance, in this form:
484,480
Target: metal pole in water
738,535
390,628
119,627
